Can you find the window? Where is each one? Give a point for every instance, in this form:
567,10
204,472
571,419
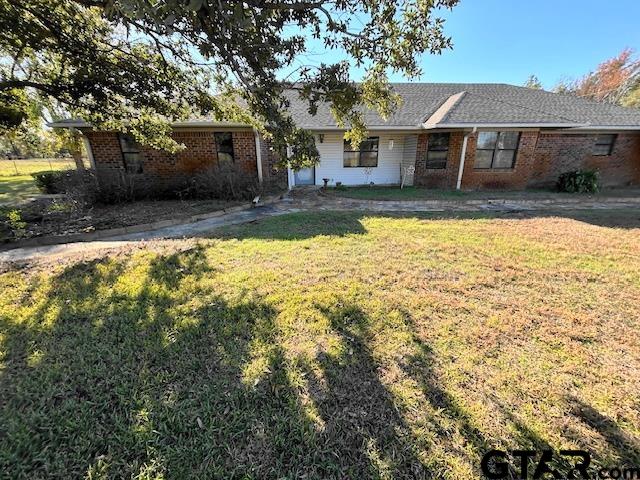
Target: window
366,156
131,154
604,144
437,150
224,147
496,150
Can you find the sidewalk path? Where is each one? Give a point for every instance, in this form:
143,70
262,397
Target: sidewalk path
315,202
177,231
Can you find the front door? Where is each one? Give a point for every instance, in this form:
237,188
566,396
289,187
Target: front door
305,176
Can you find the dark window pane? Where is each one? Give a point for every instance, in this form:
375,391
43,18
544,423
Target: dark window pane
128,144
224,146
368,159
132,162
369,144
487,139
438,141
132,156
605,139
437,159
508,140
366,156
483,158
351,159
601,149
504,159
604,144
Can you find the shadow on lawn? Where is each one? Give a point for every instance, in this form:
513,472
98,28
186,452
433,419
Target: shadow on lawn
121,372
117,374
298,226
304,225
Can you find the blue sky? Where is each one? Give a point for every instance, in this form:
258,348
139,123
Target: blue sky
507,40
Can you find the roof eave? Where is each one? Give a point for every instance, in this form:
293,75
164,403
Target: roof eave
432,126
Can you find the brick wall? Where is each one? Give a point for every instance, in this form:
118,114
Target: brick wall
541,158
558,153
271,172
444,178
511,179
166,170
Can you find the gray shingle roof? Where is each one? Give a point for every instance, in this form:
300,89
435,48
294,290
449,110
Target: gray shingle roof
482,103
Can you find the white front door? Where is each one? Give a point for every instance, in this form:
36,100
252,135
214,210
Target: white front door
305,176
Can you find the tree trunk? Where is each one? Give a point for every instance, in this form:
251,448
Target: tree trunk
77,157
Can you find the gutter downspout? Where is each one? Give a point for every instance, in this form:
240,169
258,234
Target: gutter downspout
258,154
291,179
87,147
463,155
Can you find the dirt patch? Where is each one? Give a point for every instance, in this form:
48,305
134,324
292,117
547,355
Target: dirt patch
59,217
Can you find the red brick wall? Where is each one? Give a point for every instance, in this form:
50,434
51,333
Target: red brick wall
514,179
559,153
444,178
473,179
271,171
541,158
163,169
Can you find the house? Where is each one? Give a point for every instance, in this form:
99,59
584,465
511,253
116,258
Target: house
465,136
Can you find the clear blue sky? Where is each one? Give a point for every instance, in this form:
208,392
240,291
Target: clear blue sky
507,40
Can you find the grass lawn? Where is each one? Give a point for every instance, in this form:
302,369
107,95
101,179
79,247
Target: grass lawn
16,182
326,345
422,193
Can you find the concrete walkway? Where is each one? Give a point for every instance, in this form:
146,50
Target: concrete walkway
315,202
177,231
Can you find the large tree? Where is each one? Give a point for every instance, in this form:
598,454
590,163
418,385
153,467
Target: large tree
136,65
616,80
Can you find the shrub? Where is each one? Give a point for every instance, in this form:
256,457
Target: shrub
49,181
16,224
578,181
224,182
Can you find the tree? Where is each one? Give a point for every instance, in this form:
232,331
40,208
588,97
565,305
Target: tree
533,82
137,65
616,80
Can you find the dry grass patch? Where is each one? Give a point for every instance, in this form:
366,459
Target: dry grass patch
331,345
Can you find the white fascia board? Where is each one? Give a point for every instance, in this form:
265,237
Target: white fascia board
209,123
611,128
373,128
432,126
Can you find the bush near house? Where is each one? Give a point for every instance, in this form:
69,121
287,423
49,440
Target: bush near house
48,181
578,181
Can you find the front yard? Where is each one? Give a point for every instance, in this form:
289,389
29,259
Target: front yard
326,345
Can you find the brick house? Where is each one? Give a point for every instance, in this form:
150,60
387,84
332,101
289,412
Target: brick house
468,136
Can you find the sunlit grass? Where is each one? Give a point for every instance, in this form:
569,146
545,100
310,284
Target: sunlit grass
331,345
16,182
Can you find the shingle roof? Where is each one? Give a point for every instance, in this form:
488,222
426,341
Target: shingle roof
481,103
442,105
